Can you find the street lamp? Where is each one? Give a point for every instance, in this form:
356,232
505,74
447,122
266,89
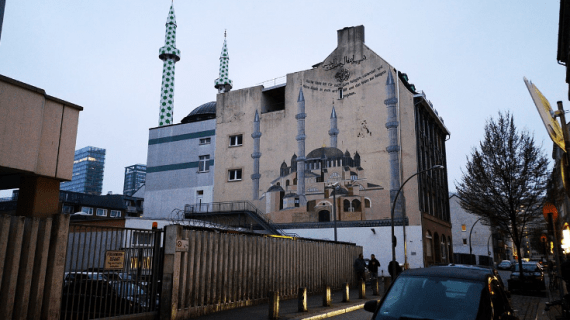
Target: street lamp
438,166
334,188
471,249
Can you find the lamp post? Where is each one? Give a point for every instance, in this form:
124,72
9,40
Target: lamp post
334,187
470,248
403,223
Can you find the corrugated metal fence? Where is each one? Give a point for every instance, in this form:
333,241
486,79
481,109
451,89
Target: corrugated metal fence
208,271
32,258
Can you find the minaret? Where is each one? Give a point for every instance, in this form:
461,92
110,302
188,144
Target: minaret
394,147
333,132
170,55
300,116
256,155
223,83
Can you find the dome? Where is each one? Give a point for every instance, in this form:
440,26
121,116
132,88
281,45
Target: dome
204,112
326,152
275,188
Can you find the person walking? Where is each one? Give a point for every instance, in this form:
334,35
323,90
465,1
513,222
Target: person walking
373,265
360,268
394,266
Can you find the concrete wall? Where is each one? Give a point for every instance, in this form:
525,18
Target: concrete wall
377,242
173,179
38,132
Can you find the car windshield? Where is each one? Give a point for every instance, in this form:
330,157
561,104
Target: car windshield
528,267
431,298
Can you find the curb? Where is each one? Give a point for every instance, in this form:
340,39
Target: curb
332,313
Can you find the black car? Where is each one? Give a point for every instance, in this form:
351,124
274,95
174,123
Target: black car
533,277
444,292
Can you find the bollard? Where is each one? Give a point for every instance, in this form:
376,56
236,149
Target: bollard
302,299
327,297
345,292
273,305
387,282
362,289
375,287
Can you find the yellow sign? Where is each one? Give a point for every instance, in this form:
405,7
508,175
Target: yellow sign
114,260
546,114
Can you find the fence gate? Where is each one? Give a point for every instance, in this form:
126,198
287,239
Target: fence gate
111,272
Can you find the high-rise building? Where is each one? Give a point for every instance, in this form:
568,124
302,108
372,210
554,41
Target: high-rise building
135,177
88,167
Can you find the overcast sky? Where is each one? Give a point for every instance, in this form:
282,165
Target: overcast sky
469,57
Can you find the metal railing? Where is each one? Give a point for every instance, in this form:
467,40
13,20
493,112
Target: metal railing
237,206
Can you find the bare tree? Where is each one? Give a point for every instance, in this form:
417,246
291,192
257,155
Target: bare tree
505,180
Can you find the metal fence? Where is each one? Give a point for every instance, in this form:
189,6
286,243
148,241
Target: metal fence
213,270
111,272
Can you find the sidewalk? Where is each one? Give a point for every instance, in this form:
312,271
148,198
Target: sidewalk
288,308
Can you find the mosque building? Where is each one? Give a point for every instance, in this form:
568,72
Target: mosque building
322,155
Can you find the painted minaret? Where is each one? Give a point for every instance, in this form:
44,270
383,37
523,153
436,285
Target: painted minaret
333,132
223,83
394,146
170,55
256,155
300,116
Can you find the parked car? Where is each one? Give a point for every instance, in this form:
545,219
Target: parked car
74,276
88,298
533,277
444,292
505,265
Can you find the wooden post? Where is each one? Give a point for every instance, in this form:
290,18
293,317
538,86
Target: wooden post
273,305
302,300
362,289
345,292
327,297
375,287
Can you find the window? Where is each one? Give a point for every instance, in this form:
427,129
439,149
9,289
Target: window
204,164
463,227
340,93
204,141
101,212
234,175
67,209
428,244
200,192
115,214
464,241
87,210
366,203
142,238
236,141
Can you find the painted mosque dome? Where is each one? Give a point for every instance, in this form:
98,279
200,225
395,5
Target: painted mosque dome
325,152
204,112
275,188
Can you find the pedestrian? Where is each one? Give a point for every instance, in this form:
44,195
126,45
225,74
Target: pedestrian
394,266
359,268
373,265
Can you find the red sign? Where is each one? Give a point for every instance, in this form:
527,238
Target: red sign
550,208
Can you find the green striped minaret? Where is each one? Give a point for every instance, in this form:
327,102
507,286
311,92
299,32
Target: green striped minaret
223,83
170,55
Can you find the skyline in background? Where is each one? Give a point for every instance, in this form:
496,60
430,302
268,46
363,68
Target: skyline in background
468,58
